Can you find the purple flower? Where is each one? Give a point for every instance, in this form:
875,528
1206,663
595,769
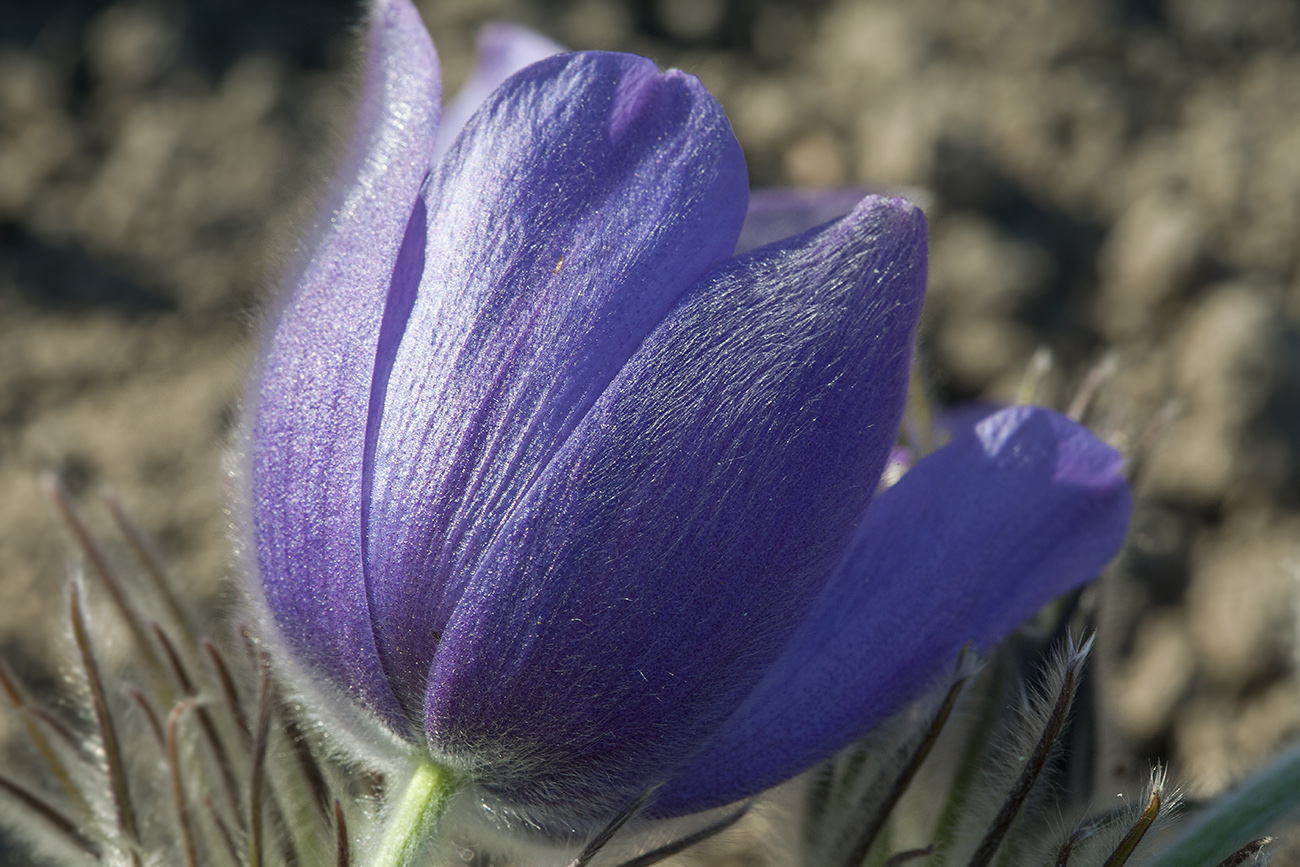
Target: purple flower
548,482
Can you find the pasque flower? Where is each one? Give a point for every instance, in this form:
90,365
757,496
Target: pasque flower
556,488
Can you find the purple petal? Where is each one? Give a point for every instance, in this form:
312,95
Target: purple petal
977,537
313,389
961,419
781,212
643,585
503,50
589,193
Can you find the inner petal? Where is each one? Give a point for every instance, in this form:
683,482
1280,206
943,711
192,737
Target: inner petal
580,202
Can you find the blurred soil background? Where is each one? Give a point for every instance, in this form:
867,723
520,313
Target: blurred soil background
1102,176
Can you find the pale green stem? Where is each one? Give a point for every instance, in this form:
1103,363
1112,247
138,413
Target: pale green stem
919,421
1234,819
414,819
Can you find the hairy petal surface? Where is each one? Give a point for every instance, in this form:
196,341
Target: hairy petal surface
1025,506
503,50
655,571
312,395
585,197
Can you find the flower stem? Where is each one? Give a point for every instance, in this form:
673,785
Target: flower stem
415,817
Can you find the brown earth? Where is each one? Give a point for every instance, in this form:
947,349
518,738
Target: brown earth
1115,176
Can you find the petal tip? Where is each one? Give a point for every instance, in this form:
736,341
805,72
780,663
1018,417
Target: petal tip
1082,459
893,214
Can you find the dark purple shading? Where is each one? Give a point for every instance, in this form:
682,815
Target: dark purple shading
312,392
973,540
582,200
960,419
644,583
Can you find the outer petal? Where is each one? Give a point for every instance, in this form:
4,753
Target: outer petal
974,539
503,50
782,212
589,193
313,390
641,588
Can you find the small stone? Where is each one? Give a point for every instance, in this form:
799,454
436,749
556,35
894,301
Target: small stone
1150,257
1226,351
895,140
1227,360
762,112
981,351
1155,676
815,160
1217,741
1241,608
871,40
691,20
1196,461
129,45
976,269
